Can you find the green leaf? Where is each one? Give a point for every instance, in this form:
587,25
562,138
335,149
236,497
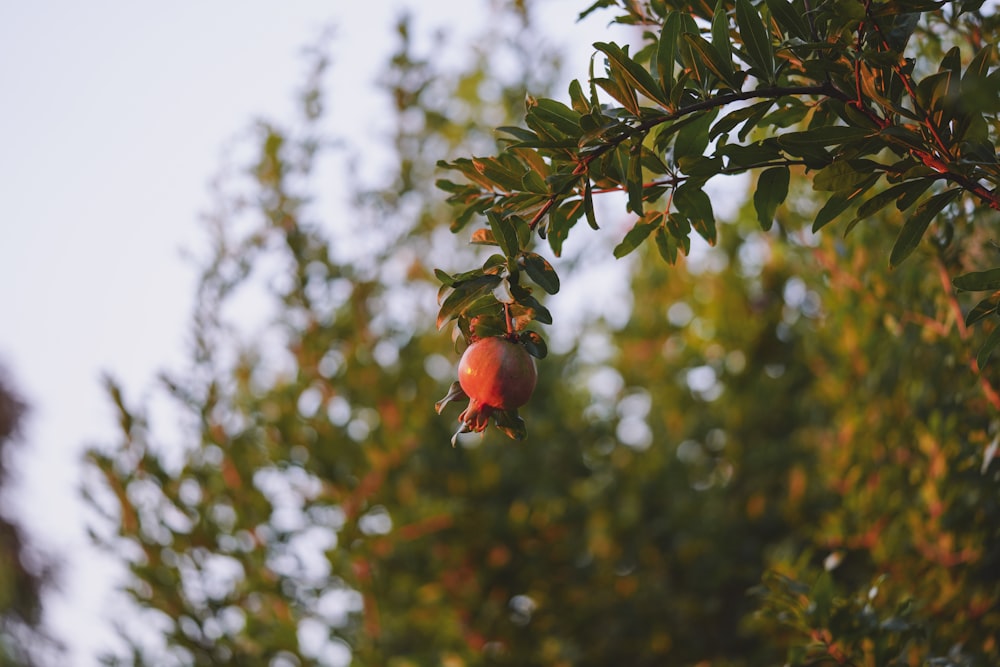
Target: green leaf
932,90
632,73
518,133
772,189
977,281
983,309
484,306
980,90
616,164
679,228
756,40
469,169
791,111
492,322
635,236
511,424
680,92
534,344
822,136
666,132
527,308
789,19
842,201
693,203
624,94
600,4
712,59
732,119
666,245
588,205
699,166
914,228
556,115
905,139
722,43
505,233
492,263
499,172
577,98
952,62
534,182
821,598
445,278
986,351
692,138
540,271
524,232
666,50
464,295
562,218
913,193
633,178
760,110
695,67
749,156
839,176
884,198
979,66
901,29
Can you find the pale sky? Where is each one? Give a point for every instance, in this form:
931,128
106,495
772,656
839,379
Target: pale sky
115,118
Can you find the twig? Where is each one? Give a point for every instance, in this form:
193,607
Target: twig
989,391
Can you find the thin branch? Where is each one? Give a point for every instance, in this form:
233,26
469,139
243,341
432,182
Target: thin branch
726,171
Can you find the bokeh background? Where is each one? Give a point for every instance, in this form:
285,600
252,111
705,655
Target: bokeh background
219,233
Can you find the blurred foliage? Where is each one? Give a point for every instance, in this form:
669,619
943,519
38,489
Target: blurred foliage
25,573
784,456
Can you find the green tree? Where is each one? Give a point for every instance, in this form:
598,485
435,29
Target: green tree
782,455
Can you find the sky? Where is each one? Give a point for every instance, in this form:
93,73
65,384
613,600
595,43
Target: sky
116,116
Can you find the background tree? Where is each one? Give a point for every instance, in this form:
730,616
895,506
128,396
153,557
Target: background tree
782,454
25,573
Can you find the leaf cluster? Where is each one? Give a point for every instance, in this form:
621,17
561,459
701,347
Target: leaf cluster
837,92
492,300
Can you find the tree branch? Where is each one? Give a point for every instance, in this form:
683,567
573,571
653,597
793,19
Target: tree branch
771,92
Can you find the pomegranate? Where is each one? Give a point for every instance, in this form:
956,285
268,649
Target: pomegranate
496,374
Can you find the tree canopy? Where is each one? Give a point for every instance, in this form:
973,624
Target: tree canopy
828,91
784,453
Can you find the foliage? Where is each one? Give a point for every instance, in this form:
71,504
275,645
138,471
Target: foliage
783,456
832,91
25,574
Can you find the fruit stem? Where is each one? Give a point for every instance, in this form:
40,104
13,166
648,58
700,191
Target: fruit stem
510,324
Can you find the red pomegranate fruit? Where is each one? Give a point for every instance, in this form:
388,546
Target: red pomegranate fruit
496,374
